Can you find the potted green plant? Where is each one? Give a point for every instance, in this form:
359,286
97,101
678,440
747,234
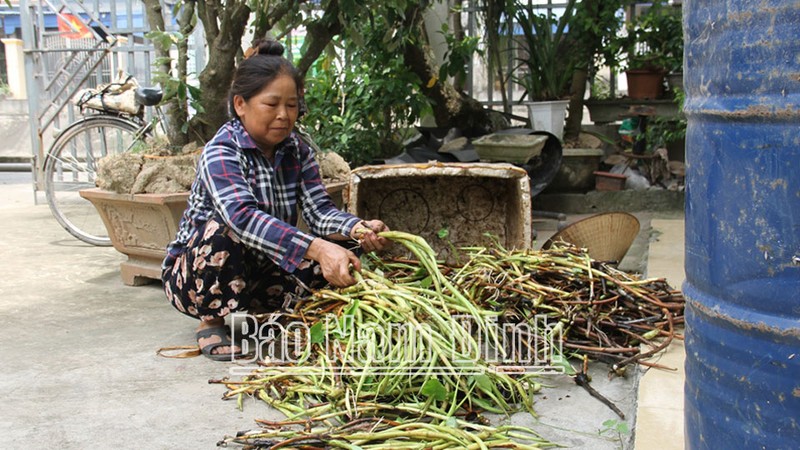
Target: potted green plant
545,68
652,47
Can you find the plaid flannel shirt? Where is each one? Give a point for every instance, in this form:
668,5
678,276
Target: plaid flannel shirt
259,200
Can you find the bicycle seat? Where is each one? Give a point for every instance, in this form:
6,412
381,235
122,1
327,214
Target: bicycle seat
148,96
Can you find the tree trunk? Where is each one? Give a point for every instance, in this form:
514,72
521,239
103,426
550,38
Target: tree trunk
175,108
224,24
320,33
180,111
450,108
572,129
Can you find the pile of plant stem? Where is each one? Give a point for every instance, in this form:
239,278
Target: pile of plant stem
411,355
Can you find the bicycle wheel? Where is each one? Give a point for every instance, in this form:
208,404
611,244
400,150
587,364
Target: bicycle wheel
70,166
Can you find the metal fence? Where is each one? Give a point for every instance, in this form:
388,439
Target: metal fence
71,45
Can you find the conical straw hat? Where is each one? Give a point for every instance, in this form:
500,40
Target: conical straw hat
606,236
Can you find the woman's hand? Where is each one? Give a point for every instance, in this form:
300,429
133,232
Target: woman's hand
366,233
335,262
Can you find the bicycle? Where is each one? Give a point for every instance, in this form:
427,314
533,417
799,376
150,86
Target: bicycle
108,126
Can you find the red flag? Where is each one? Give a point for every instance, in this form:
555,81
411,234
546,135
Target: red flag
72,27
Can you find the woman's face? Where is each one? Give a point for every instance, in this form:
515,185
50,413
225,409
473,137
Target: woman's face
269,116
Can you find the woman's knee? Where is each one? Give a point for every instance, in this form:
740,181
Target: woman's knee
208,279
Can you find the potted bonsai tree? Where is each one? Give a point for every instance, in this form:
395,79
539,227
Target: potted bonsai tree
546,66
141,196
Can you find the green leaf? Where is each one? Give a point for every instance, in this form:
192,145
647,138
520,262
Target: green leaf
160,38
194,91
564,363
486,405
420,272
434,389
198,107
443,233
181,92
426,282
352,309
484,382
162,60
317,333
651,334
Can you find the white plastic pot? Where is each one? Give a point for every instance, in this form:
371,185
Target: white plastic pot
548,116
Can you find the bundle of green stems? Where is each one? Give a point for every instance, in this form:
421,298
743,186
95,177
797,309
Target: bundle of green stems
416,351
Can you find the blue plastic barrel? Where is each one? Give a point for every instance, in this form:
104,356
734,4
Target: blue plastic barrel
742,79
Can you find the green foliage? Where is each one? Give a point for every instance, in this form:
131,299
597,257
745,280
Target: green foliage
176,89
317,333
654,39
548,64
360,94
459,53
615,428
597,24
563,362
600,88
663,130
358,104
5,89
434,389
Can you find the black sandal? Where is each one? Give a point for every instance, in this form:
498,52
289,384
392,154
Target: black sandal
220,331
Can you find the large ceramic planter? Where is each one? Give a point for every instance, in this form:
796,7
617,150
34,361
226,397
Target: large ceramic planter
548,116
140,226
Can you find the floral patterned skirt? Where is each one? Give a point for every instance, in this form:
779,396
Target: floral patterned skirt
217,275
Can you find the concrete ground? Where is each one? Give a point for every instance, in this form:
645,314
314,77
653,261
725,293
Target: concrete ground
80,368
78,361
